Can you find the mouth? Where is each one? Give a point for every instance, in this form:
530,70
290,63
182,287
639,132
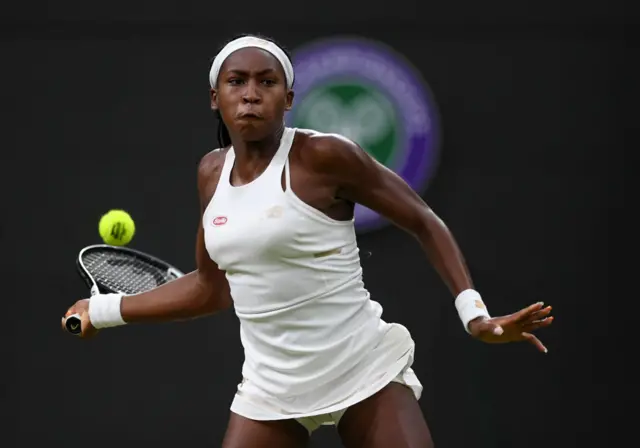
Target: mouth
249,116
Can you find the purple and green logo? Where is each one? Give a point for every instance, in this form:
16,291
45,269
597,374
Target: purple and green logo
369,93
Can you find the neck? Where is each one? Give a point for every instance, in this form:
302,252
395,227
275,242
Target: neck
261,149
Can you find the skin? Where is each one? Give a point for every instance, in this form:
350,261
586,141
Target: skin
331,174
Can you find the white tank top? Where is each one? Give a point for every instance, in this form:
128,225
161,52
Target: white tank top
306,319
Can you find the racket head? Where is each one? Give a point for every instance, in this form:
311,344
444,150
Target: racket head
122,270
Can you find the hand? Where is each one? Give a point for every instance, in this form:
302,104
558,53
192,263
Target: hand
514,327
81,307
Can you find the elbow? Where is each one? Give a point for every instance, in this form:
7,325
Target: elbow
212,297
215,303
203,304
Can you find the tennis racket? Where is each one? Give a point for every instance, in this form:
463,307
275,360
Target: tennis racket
120,270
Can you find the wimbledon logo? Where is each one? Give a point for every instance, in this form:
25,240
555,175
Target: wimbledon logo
369,94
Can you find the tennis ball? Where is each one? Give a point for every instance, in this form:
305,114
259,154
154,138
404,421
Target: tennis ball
116,228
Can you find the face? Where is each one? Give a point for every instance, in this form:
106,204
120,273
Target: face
252,94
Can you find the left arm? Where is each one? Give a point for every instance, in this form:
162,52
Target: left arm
361,179
364,181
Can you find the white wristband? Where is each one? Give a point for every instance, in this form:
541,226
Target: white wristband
470,306
104,310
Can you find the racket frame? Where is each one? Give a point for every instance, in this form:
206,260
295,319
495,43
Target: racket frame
102,289
72,323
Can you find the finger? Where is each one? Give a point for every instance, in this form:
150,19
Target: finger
539,315
86,323
532,326
87,329
535,341
525,312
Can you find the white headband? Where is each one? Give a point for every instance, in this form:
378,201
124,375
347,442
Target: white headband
246,42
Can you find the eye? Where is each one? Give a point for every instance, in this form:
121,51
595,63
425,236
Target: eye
269,82
235,81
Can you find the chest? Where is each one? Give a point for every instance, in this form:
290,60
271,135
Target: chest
241,228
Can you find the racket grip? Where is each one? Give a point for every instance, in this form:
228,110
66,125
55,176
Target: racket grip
73,324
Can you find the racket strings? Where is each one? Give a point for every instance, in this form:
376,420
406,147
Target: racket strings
124,273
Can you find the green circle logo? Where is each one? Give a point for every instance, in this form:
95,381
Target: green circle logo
366,92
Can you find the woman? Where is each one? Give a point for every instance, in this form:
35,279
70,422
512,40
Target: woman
276,238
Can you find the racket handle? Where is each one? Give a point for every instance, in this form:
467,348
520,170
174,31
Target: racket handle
73,324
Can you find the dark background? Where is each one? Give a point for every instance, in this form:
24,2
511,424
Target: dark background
106,106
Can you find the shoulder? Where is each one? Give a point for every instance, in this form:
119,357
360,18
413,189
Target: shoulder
211,162
332,153
209,170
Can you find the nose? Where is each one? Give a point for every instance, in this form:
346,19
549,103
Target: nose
251,94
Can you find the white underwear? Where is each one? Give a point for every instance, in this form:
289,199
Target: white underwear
406,378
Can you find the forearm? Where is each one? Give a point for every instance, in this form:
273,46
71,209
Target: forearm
180,299
444,254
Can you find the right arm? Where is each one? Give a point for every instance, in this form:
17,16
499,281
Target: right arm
199,293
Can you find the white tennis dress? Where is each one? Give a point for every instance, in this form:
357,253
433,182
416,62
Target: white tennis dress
313,339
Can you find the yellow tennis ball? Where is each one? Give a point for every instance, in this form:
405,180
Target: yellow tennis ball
117,228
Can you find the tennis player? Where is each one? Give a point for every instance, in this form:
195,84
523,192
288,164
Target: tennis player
276,239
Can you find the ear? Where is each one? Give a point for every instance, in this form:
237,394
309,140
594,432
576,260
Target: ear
289,100
214,99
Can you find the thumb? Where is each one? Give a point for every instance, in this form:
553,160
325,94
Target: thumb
486,327
495,329
87,328
84,317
